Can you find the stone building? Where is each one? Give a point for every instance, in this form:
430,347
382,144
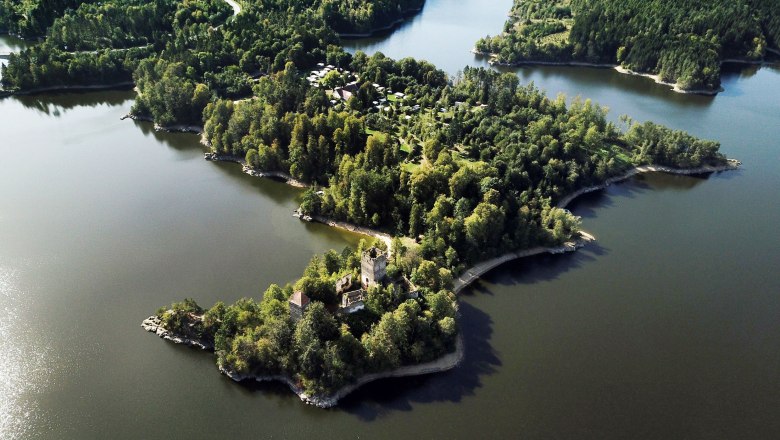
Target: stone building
352,301
298,303
373,267
343,284
352,296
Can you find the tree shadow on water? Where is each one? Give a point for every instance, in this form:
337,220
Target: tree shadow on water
57,103
586,205
386,396
546,267
535,269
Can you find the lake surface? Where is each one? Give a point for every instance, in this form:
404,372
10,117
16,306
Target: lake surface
667,327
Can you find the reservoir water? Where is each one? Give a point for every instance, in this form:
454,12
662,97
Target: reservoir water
667,327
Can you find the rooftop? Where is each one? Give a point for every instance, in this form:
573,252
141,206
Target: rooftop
300,299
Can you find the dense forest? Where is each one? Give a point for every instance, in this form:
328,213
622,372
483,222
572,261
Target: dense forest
31,18
473,172
361,16
464,168
324,351
682,41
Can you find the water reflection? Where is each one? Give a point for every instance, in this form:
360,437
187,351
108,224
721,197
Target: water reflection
24,360
56,104
385,397
10,43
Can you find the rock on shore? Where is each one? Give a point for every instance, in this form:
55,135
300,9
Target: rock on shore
153,324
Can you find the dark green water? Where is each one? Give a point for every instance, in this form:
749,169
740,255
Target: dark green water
666,328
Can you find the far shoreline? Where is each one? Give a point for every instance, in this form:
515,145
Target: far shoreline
674,86
58,89
405,15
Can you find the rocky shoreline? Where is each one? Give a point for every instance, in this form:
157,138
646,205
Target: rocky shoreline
288,179
153,324
473,273
386,238
675,87
447,362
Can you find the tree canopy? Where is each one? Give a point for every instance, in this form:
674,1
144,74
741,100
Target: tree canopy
683,41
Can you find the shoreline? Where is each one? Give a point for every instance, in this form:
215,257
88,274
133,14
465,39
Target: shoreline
707,169
405,15
675,86
49,89
350,227
176,128
288,179
473,273
444,363
620,69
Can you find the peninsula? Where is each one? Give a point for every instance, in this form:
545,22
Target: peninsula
678,43
451,175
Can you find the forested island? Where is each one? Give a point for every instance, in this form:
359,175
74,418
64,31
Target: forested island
679,42
458,169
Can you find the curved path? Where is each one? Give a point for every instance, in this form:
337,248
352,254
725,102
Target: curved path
235,5
475,272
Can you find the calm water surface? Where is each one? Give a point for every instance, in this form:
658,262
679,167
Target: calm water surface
665,328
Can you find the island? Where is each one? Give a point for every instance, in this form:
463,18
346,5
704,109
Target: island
678,43
449,176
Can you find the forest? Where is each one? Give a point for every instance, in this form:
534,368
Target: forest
459,168
473,173
324,351
682,41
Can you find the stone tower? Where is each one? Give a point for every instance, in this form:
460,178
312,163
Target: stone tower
373,267
299,301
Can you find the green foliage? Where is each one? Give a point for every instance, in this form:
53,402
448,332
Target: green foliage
681,41
168,95
486,159
360,16
183,318
323,351
131,23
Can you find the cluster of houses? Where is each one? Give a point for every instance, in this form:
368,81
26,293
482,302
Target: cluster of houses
316,75
352,294
344,93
